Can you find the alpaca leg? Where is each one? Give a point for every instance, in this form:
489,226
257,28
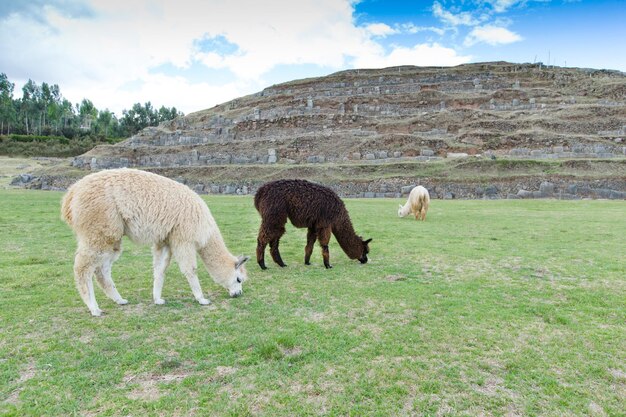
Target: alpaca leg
311,237
185,255
275,253
423,214
270,232
418,212
324,238
85,265
103,274
161,257
260,252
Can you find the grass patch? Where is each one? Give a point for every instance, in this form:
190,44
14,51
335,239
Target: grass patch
487,308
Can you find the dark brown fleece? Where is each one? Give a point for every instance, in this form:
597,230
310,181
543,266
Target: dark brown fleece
309,205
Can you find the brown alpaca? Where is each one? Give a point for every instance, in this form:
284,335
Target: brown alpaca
308,205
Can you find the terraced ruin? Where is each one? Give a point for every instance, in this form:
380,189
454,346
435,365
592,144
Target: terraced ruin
478,130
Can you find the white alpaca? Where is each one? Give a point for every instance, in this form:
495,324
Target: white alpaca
417,203
149,209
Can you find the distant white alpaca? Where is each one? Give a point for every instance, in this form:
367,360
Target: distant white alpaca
417,203
149,209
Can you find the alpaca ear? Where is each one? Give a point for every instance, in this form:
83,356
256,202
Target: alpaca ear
241,260
367,241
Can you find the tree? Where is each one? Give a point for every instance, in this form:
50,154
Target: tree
31,94
105,120
87,113
7,110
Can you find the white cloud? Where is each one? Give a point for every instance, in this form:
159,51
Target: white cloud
501,6
491,35
97,54
122,41
419,55
413,29
380,29
462,18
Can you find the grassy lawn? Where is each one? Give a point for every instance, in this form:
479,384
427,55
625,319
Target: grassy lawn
497,308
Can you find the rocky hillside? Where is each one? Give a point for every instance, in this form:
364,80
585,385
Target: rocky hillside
411,117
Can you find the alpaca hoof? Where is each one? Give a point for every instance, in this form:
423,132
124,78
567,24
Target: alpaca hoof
96,313
282,265
204,302
329,266
159,301
122,301
307,263
263,267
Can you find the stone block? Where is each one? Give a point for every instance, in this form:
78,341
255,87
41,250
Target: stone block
524,194
215,189
407,189
457,155
382,155
491,191
271,152
356,155
557,149
271,159
512,196
229,189
427,152
370,156
397,154
546,188
368,195
311,159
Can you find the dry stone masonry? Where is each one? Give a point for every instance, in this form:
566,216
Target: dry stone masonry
492,110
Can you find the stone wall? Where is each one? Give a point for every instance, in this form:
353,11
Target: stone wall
438,189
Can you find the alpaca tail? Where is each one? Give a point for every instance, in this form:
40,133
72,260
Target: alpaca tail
66,210
258,197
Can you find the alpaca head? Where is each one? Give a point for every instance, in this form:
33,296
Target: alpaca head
402,212
365,251
239,275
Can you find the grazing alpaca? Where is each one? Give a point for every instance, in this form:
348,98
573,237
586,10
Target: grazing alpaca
149,209
417,203
308,205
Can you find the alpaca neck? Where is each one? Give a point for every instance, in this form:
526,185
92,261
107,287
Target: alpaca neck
347,239
218,261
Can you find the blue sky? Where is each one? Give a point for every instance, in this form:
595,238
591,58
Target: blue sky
193,54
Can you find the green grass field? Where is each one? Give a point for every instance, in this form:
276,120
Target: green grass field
493,308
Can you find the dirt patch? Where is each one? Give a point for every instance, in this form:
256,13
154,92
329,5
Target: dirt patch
26,374
618,374
291,352
395,277
146,385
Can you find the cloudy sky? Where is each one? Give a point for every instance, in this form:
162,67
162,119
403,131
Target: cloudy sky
193,54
